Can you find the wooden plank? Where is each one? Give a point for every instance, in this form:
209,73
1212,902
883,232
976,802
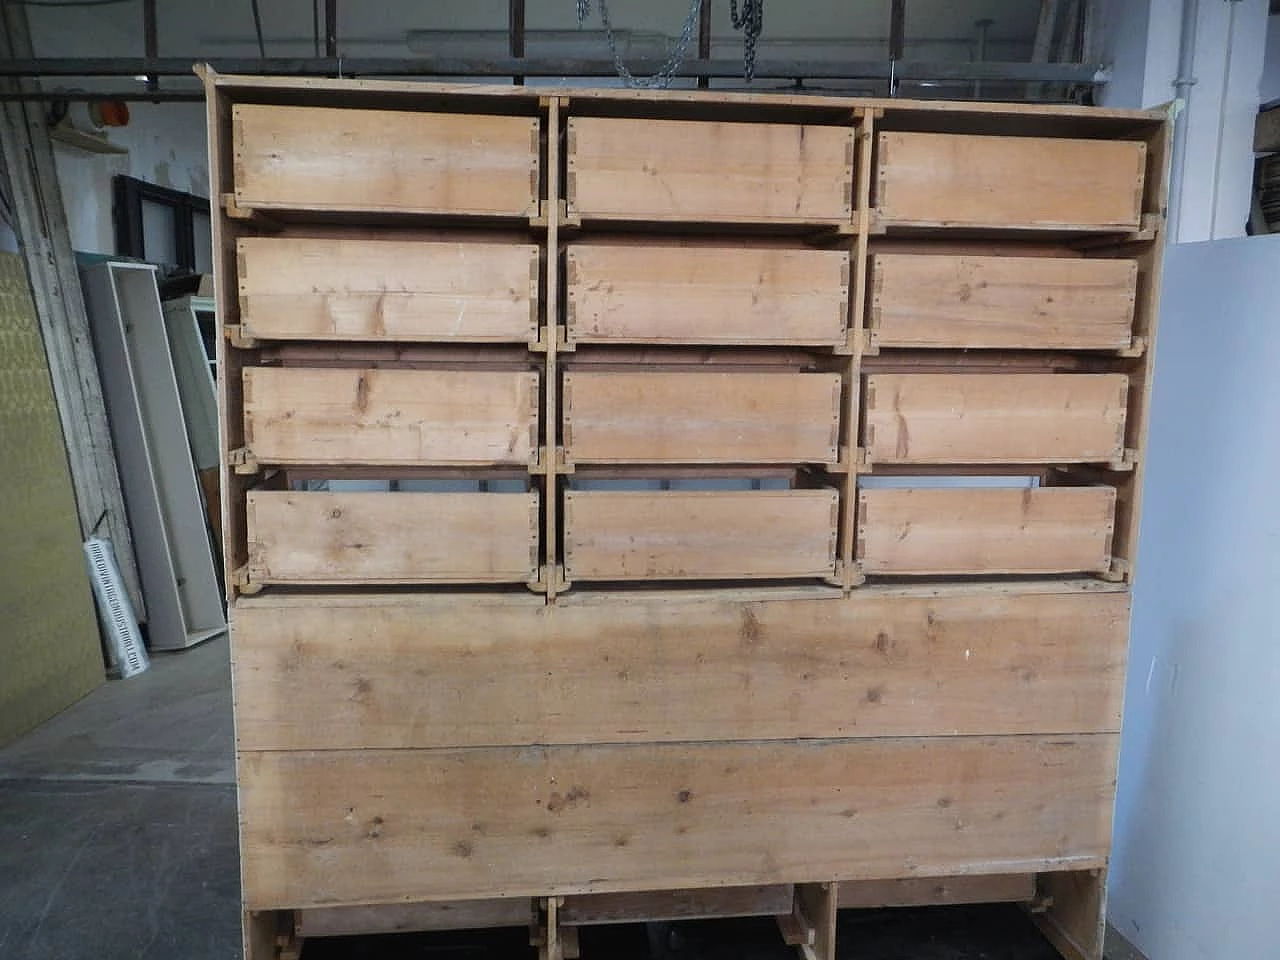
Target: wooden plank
936,891
551,461
706,294
440,672
986,531
327,159
358,921
300,288
331,827
815,909
995,418
673,170
669,905
319,538
694,535
373,416
1002,302
1075,917
953,180
653,417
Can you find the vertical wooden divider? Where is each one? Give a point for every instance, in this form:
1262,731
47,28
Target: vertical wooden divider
865,119
551,333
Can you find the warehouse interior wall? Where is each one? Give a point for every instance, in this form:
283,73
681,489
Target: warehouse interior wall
1193,875
1269,89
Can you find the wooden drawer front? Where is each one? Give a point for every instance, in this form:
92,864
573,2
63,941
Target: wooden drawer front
944,179
384,161
669,535
701,417
333,826
995,418
683,293
307,289
955,531
394,417
390,538
1002,302
589,672
719,172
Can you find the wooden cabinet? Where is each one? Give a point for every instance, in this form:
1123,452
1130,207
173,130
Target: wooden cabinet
642,503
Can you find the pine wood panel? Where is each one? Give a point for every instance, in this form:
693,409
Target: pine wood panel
957,180
695,293
322,538
653,417
691,535
354,921
330,159
433,672
986,531
928,891
672,170
385,825
1044,303
357,289
393,417
995,418
587,909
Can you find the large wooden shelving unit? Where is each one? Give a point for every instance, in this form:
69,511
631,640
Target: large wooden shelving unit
759,483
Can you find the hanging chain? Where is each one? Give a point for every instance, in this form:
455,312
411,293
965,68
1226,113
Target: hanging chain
751,23
662,79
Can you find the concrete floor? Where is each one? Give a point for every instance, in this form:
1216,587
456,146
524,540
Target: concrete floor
118,840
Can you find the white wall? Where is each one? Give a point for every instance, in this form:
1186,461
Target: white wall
1194,874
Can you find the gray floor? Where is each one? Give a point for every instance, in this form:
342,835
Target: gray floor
118,840
118,823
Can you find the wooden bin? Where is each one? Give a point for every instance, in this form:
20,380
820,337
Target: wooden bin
1039,530
958,180
696,170
699,535
938,418
298,415
322,539
962,302
666,293
304,288
335,160
685,418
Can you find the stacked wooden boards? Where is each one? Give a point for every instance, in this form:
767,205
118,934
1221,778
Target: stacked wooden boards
660,505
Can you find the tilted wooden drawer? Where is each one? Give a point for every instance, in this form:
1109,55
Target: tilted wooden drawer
404,290
505,672
1044,303
299,415
995,418
709,171
985,531
391,538
327,159
698,293
701,417
953,180
691,535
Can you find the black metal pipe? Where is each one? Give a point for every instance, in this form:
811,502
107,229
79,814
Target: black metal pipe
515,33
704,39
942,70
897,29
150,39
331,29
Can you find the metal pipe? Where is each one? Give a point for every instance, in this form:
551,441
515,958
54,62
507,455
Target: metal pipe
982,27
515,33
704,39
331,29
944,70
1182,84
150,41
